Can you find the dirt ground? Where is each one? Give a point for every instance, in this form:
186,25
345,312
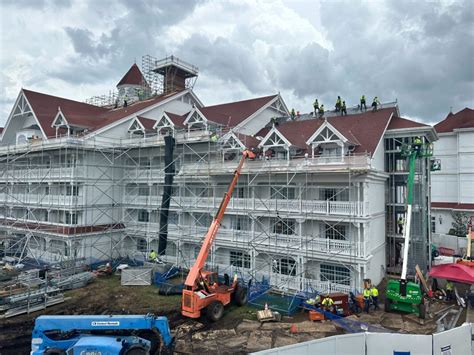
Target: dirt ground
237,333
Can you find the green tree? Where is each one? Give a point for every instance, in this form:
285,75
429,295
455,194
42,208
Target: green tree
459,225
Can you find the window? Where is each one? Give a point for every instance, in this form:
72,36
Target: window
433,224
331,152
282,192
335,274
287,267
284,226
71,218
335,232
328,194
240,192
143,216
72,190
58,246
143,190
240,223
240,259
46,190
141,244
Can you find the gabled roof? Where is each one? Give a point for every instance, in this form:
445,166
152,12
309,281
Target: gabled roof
461,119
364,129
133,77
81,114
177,120
399,122
146,123
233,113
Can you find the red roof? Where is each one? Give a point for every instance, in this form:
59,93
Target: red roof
177,119
462,119
364,130
233,113
453,205
248,141
399,122
81,114
147,123
133,77
454,272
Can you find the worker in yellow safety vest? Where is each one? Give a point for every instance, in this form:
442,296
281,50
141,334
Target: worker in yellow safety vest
449,290
366,294
400,223
153,256
315,106
362,103
374,293
328,304
321,111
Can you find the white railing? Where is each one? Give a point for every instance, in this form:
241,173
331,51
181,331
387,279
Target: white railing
346,208
41,173
268,243
36,199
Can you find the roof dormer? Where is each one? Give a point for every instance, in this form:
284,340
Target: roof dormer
275,144
196,120
328,141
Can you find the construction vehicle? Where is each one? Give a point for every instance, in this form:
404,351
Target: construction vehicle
467,259
88,334
202,289
403,295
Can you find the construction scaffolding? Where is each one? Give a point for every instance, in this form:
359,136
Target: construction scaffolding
293,223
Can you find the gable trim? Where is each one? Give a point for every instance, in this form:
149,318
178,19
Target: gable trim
135,120
230,135
278,133
329,126
166,117
261,109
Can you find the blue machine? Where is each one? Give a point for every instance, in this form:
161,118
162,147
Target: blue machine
94,335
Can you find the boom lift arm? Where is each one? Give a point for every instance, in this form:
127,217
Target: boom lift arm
194,298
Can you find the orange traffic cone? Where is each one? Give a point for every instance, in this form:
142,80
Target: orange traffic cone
293,329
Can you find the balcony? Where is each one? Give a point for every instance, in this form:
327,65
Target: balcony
273,243
299,165
143,174
336,208
41,200
44,174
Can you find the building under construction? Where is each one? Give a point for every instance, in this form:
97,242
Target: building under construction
317,209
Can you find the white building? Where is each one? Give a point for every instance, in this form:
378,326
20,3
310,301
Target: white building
453,185
81,181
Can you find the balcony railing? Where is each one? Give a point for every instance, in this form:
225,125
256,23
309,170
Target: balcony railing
41,200
35,173
345,208
275,243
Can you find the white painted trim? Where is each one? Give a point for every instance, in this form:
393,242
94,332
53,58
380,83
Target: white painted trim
133,121
166,117
138,113
277,132
261,109
192,112
326,124
57,116
232,135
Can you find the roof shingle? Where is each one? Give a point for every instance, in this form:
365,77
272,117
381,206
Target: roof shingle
461,119
133,77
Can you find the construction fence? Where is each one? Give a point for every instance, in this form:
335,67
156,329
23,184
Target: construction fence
456,341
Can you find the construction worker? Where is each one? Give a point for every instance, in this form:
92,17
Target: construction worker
449,290
343,109
328,304
400,223
366,294
417,143
293,114
362,103
214,137
315,106
321,111
153,255
354,304
374,293
375,103
338,104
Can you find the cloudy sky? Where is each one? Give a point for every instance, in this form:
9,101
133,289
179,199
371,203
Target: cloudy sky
420,53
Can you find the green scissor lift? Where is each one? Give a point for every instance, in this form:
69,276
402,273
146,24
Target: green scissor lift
403,295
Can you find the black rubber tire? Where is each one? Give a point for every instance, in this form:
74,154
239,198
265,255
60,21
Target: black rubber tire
240,296
54,351
422,311
215,311
136,349
153,338
387,304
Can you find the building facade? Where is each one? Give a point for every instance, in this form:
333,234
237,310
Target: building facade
453,185
315,209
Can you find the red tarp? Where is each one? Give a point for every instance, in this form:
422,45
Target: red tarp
454,272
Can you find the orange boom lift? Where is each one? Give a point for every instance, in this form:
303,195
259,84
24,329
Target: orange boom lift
201,288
